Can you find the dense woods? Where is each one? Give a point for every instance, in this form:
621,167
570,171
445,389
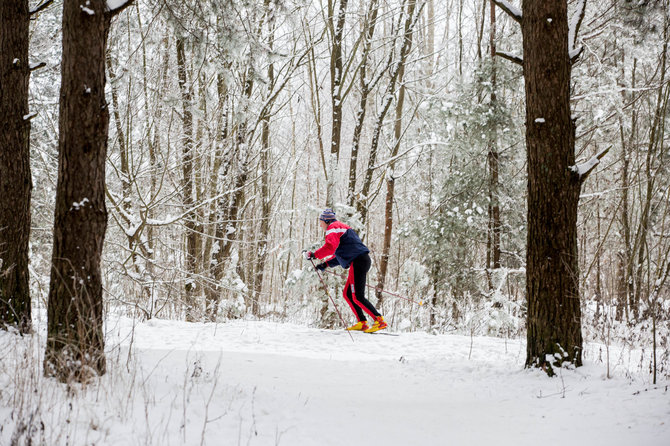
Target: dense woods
504,161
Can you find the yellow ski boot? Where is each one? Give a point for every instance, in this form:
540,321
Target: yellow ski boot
359,326
378,325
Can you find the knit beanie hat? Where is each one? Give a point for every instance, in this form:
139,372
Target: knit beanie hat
327,216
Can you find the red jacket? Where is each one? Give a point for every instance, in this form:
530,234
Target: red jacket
341,242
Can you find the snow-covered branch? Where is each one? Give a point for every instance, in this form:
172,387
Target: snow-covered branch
41,7
511,57
574,54
510,9
37,66
573,30
584,169
116,6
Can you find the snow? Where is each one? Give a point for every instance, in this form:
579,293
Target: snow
540,120
516,12
581,169
78,205
265,383
572,29
584,168
116,4
87,10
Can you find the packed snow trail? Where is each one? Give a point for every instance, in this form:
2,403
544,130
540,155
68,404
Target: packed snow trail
262,383
293,385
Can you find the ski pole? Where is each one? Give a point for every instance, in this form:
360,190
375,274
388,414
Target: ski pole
420,302
331,299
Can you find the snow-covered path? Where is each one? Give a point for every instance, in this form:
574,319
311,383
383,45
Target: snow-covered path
270,383
263,383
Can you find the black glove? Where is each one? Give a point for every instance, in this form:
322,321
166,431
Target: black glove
321,266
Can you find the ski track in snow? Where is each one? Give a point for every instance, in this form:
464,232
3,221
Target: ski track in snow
264,383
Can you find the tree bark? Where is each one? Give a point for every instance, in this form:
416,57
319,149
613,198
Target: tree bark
552,280
222,159
368,32
390,174
364,202
191,252
626,289
15,176
336,76
75,339
493,252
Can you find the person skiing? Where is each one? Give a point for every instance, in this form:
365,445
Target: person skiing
343,247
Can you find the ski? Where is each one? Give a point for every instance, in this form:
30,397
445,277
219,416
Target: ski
359,331
383,333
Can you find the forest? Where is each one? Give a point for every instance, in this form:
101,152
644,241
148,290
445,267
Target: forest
504,161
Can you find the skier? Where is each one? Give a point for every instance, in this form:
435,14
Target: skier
343,247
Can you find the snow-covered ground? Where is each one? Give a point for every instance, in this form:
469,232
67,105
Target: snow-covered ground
263,383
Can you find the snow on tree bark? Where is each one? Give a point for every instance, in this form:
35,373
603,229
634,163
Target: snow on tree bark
552,281
75,339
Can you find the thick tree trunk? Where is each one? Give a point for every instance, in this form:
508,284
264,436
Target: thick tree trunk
15,177
552,282
75,342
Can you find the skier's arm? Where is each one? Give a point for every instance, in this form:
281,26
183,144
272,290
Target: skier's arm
332,242
328,263
332,263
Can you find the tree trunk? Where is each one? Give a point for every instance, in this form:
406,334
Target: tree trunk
15,178
641,293
75,341
368,32
364,202
266,206
191,252
336,77
493,252
222,158
390,178
552,281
